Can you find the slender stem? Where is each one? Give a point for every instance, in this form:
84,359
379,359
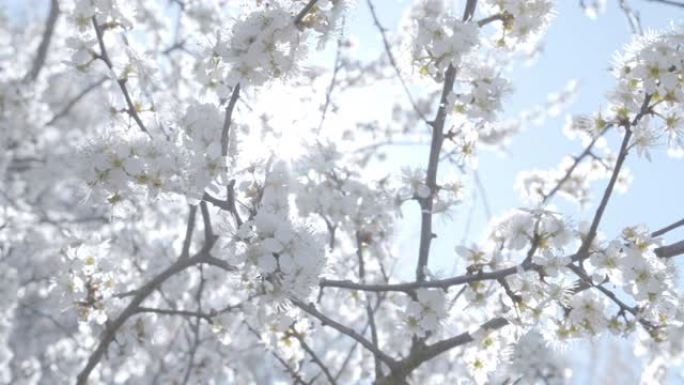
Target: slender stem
326,321
132,109
583,251
393,62
67,108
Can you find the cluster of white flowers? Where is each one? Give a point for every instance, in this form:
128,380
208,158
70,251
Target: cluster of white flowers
341,197
121,168
632,263
486,89
587,315
287,257
262,46
533,360
109,10
484,355
423,315
439,38
325,17
652,66
524,21
448,194
203,124
90,281
519,228
129,164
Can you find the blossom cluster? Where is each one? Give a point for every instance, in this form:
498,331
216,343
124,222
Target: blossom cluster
262,46
632,263
422,315
287,256
90,281
125,165
439,38
650,75
523,21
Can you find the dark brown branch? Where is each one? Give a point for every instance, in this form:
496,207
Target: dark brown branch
44,45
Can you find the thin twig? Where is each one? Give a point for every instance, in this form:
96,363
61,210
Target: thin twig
392,60
333,81
326,321
668,2
314,357
67,108
132,109
568,173
583,251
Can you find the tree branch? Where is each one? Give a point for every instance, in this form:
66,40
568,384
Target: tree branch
229,119
131,110
326,321
39,61
426,234
392,60
583,251
300,16
670,251
668,2
64,111
668,228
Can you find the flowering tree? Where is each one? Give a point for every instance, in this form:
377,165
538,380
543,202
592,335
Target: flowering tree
164,223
